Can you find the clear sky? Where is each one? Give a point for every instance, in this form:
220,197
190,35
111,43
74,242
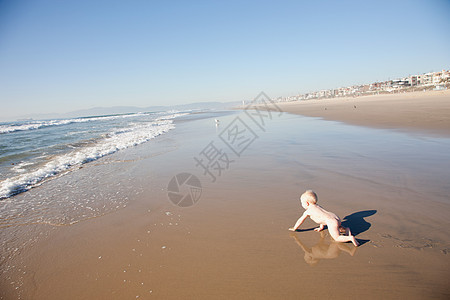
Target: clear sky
58,56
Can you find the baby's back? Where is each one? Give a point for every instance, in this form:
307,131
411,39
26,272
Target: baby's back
322,216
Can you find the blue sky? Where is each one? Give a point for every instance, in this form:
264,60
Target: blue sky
58,56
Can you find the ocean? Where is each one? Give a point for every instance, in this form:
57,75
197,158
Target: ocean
33,152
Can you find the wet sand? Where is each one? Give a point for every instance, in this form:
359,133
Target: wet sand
389,187
427,112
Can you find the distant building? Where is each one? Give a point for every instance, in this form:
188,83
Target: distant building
440,80
427,79
436,79
413,80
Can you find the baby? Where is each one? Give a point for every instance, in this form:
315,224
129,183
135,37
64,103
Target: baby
323,217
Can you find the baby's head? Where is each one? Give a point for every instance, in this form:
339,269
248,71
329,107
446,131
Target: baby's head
307,198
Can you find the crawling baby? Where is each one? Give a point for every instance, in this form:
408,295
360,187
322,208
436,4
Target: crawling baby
323,217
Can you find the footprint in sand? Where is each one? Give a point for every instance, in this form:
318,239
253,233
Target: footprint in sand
420,244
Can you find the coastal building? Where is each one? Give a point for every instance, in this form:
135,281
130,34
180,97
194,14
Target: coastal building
445,76
436,79
399,83
441,80
427,79
412,80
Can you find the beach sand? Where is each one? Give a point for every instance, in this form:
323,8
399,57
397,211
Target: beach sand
418,111
390,187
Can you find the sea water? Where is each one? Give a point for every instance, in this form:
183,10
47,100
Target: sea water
33,152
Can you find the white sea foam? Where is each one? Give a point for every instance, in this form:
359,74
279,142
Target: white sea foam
40,124
19,168
116,140
173,115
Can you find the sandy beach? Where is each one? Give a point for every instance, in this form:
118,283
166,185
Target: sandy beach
389,186
159,150
417,111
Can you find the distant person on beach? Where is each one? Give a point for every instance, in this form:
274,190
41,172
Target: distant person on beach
323,217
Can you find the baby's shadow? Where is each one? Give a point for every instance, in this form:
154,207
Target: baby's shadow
357,223
307,229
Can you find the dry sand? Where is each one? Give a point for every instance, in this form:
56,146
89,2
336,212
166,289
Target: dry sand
234,243
418,111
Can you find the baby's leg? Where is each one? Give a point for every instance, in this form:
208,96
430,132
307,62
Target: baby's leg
344,230
333,229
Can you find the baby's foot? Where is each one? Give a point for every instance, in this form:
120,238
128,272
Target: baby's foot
320,228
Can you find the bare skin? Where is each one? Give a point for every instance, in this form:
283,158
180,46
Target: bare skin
325,218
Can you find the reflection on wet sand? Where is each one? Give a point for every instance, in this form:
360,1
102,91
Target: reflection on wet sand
324,249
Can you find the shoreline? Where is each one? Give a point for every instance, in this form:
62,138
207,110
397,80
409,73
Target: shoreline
235,243
427,112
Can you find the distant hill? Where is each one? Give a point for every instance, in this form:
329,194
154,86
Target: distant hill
114,110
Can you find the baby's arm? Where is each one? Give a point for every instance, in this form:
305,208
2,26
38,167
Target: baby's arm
299,221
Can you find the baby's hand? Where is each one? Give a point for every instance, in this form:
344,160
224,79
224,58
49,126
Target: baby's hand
292,229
